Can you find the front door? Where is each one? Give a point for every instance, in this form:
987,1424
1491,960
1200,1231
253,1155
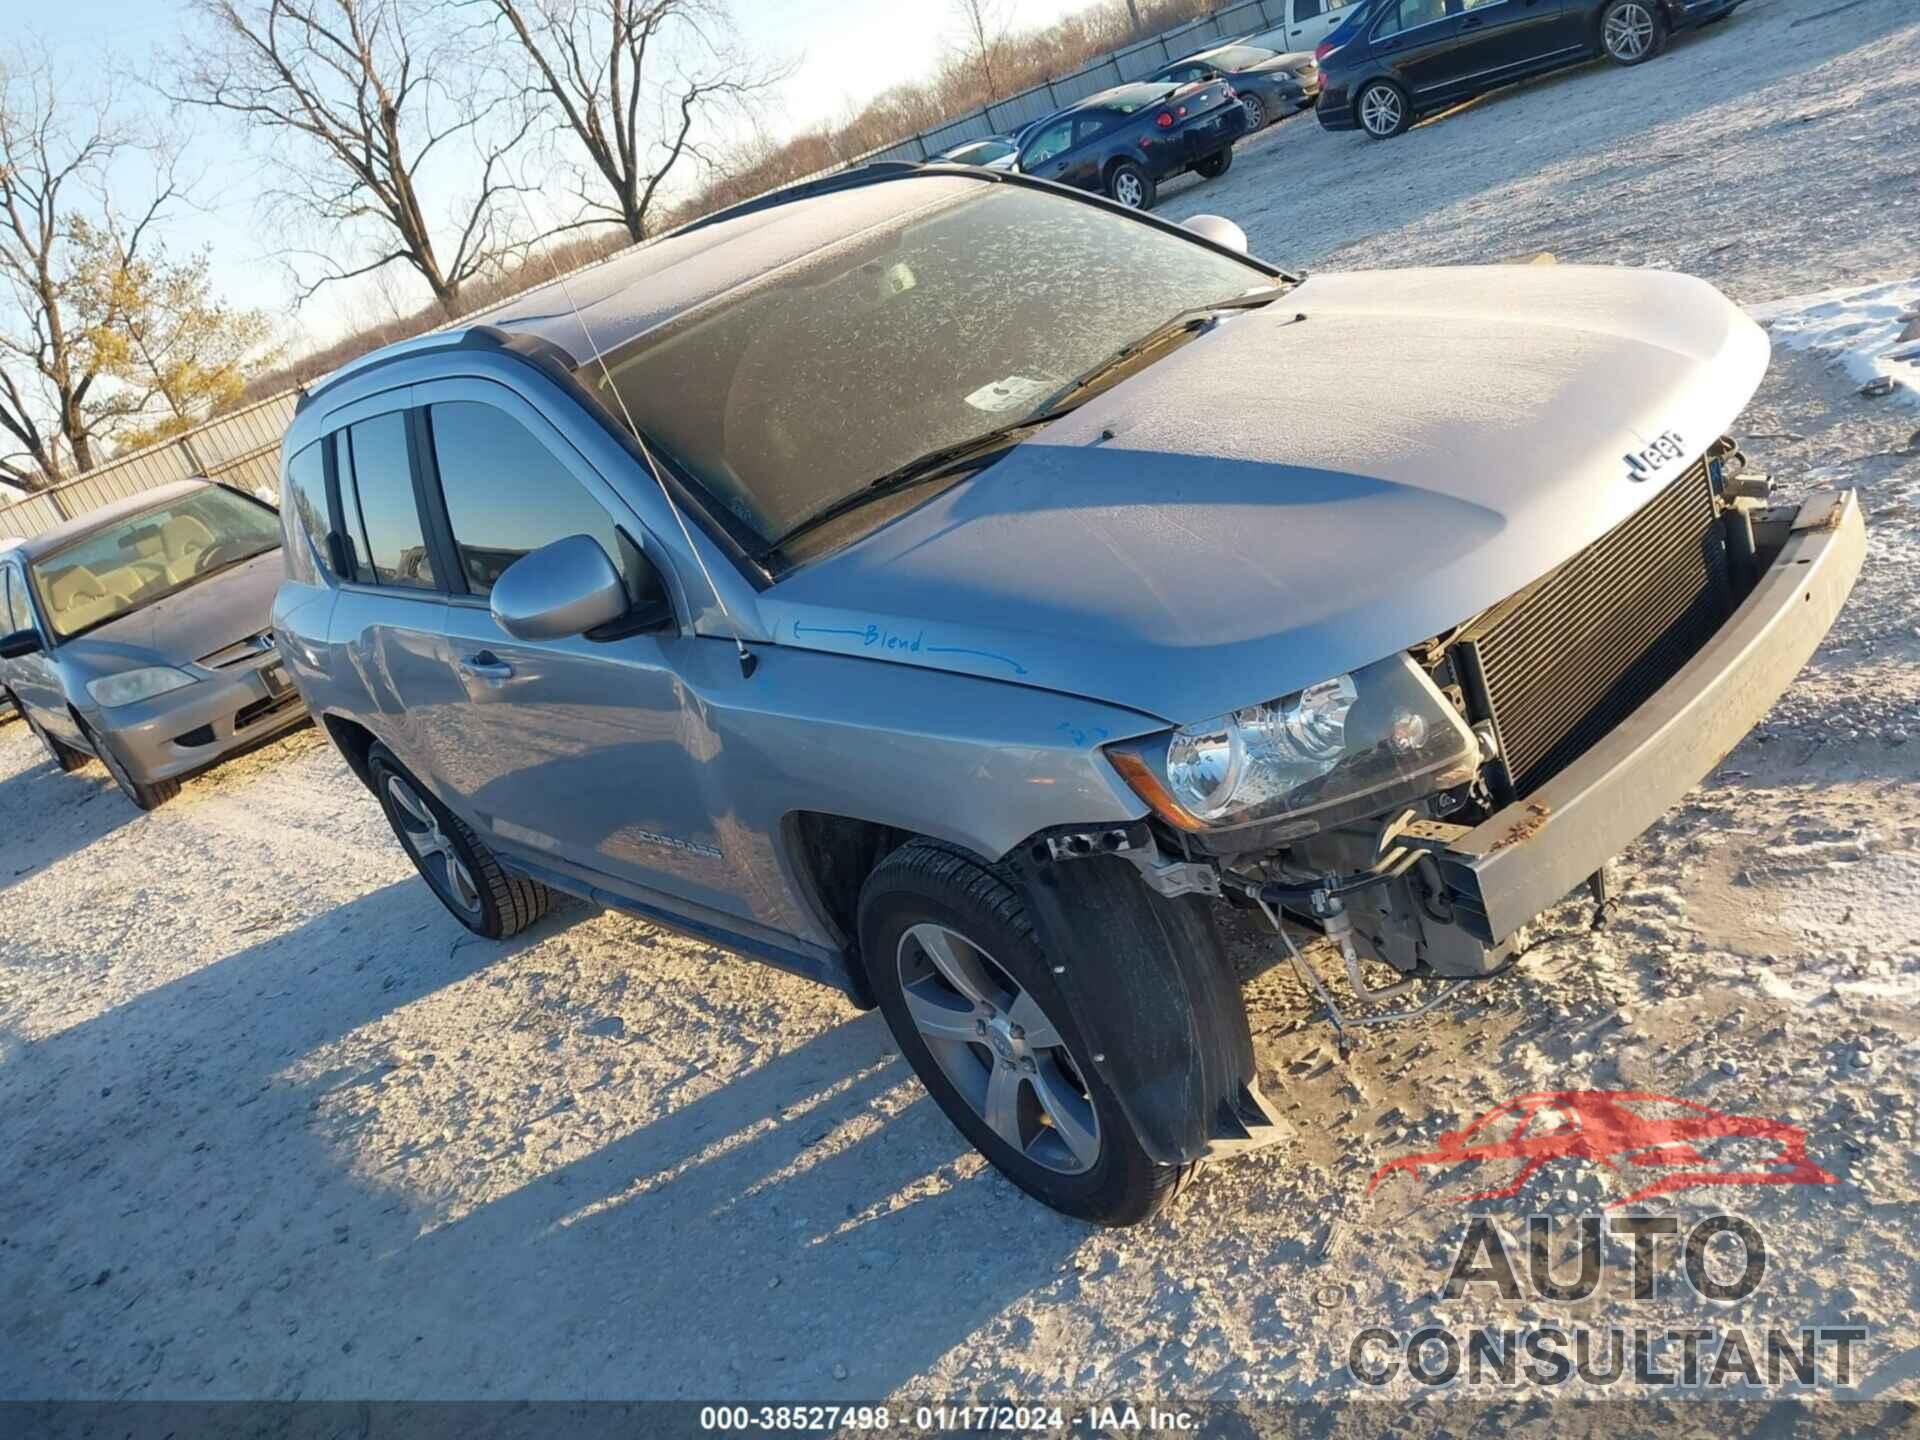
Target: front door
32,679
589,755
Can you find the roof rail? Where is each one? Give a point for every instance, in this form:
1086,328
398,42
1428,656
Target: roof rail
466,337
825,185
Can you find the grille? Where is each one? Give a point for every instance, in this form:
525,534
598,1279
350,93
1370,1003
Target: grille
1567,660
240,652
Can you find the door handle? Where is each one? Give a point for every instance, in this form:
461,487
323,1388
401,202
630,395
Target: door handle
487,667
1472,22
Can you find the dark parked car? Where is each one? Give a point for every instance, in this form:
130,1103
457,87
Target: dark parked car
1123,142
1270,83
1412,56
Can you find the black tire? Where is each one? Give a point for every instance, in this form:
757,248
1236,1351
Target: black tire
145,795
925,884
1215,165
1390,106
65,758
1257,115
1632,32
491,901
1131,186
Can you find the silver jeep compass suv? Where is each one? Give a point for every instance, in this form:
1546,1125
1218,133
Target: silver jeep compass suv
953,588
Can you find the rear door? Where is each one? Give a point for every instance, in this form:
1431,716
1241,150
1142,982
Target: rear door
386,621
585,754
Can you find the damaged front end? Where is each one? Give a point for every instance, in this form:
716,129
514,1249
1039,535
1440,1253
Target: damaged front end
1422,810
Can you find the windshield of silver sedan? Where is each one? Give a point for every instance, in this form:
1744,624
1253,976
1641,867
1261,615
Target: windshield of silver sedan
146,557
903,342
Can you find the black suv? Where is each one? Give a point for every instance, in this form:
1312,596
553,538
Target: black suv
1123,142
1407,57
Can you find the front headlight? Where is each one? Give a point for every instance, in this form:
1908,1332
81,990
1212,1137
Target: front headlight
130,686
1350,746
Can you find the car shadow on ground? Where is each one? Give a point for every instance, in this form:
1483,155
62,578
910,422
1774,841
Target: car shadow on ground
191,1213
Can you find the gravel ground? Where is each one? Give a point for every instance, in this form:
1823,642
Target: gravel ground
273,1125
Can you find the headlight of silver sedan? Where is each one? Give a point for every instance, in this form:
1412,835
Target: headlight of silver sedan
1353,745
131,686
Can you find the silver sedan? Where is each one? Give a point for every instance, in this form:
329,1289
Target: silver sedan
140,635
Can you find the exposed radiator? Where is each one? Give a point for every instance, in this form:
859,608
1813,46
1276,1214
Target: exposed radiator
1562,663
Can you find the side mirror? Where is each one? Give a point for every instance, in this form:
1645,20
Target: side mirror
1220,230
20,642
566,588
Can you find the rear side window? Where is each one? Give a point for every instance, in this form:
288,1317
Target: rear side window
304,514
507,495
376,490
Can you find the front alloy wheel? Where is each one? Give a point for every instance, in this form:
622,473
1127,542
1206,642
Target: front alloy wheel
1256,112
975,1007
997,1046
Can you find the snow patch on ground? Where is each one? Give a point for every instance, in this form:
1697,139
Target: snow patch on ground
1871,331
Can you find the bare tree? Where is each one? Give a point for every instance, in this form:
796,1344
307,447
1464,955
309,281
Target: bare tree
368,91
60,315
983,27
600,62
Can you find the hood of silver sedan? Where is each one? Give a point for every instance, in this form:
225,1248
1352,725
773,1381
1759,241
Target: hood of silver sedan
178,629
1303,489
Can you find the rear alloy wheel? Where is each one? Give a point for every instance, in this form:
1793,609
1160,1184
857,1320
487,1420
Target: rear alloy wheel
458,867
1215,165
1256,112
145,795
1131,186
1383,110
974,1007
1632,31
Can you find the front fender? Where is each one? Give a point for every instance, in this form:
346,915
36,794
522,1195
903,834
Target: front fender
1155,997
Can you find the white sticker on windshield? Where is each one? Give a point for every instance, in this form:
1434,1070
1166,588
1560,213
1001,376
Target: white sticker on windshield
1008,394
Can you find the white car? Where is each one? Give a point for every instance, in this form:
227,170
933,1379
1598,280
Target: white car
1306,23
996,152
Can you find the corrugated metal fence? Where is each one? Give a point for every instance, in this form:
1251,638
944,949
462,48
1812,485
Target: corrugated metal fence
241,448
1003,117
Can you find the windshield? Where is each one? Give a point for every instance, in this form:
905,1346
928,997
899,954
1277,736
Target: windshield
1241,57
903,340
144,557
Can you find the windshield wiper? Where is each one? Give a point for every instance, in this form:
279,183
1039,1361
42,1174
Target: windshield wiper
981,449
937,464
1193,318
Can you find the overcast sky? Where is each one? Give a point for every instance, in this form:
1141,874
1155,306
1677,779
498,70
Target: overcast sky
845,51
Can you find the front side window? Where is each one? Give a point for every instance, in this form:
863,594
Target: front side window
1052,141
376,473
931,331
506,494
146,557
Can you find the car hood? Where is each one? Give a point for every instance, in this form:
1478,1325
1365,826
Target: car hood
1301,490
1287,62
180,628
